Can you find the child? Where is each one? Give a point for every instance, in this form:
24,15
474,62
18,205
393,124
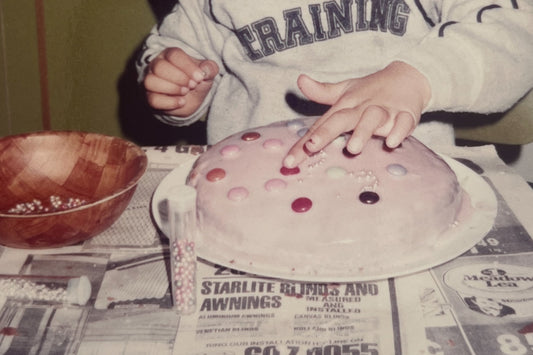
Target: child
376,65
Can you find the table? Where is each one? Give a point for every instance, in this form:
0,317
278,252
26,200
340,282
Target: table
478,303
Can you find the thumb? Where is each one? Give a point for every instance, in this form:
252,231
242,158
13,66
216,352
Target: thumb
319,92
210,68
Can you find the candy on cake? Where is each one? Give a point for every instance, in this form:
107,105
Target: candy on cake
336,209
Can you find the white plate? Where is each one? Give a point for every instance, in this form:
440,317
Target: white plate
461,238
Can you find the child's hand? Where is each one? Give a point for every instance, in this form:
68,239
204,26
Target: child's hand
387,103
177,84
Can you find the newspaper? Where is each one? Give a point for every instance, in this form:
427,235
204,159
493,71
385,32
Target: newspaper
478,303
240,314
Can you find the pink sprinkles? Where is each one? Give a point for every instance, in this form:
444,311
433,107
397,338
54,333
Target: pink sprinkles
184,273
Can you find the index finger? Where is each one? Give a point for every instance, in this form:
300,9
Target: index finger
322,132
297,153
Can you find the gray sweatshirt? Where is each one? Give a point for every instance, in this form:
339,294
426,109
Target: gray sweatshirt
476,54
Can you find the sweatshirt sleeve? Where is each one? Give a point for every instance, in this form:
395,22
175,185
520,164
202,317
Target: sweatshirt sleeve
478,56
188,26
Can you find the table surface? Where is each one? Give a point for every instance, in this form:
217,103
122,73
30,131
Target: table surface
478,303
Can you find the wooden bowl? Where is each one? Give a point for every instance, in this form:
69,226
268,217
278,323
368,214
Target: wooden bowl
59,188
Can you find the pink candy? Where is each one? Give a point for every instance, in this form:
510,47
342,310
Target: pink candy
272,144
275,185
229,150
238,193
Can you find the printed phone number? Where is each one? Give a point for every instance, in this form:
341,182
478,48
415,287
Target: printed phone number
348,349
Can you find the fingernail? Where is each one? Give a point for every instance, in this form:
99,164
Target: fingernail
312,143
392,142
206,70
184,90
198,75
289,161
192,84
181,102
355,146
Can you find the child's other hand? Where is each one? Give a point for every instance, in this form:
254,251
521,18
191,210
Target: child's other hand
177,83
387,103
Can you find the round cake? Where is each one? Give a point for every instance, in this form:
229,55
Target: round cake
335,210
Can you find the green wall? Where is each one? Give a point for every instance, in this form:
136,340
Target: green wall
89,45
20,101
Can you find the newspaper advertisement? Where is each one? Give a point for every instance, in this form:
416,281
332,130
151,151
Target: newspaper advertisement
241,314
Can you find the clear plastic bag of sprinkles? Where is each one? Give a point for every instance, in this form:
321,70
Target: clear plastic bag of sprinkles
183,229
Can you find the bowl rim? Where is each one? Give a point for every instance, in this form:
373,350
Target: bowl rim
133,183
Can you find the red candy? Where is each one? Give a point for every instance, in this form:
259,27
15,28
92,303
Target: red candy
289,171
302,204
216,174
250,136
